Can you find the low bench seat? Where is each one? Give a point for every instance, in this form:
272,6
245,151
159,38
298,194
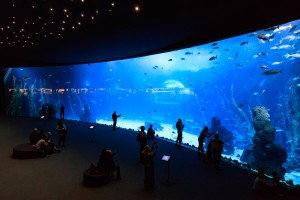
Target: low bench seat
26,151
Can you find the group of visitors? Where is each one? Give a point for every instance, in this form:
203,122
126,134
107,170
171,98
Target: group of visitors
43,143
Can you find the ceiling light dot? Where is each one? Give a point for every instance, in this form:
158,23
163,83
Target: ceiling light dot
62,28
82,15
51,9
82,1
97,11
136,8
65,10
73,27
67,16
92,17
13,22
33,6
112,4
79,23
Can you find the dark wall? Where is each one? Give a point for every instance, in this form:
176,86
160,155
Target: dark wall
2,95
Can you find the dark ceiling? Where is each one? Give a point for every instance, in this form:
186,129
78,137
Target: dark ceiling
62,32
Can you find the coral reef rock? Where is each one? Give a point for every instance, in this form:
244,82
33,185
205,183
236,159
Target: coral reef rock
265,151
225,135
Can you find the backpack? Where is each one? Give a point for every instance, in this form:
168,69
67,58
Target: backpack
217,146
138,137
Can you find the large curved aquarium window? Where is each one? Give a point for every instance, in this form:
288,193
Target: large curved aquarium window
246,88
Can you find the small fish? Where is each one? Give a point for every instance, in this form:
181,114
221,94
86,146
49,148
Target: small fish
276,63
243,43
272,72
297,32
188,53
240,105
295,55
215,47
214,44
297,86
264,67
296,78
293,27
213,58
238,64
26,77
262,36
261,53
155,67
170,59
226,49
271,28
182,58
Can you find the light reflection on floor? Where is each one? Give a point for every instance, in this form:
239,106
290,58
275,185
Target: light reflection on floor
170,133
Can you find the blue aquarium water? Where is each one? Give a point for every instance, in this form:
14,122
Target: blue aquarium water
246,88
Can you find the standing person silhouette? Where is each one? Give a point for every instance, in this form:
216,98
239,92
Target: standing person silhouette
142,139
147,154
61,130
204,133
216,151
115,118
179,127
62,111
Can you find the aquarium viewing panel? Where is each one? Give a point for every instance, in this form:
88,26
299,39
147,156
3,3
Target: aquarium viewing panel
246,88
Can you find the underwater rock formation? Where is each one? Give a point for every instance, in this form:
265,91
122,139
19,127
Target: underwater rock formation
225,135
265,152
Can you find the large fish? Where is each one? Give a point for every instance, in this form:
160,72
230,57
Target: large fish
272,72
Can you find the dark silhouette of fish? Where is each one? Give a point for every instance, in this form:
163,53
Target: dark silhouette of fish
272,72
214,44
262,36
261,53
243,43
170,59
293,28
188,53
271,28
182,58
215,47
264,67
213,58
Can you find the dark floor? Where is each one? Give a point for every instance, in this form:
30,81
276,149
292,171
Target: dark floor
60,176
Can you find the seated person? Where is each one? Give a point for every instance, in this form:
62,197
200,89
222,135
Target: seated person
41,146
35,136
107,163
150,132
262,184
45,146
52,148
